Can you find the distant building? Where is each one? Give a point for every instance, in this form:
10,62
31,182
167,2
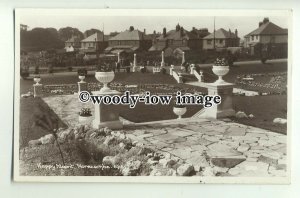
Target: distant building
266,33
178,39
73,42
128,41
221,39
95,43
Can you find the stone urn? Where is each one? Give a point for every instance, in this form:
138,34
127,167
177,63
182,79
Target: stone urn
220,71
37,80
105,78
81,78
179,111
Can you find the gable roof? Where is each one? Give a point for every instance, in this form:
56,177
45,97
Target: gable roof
95,37
176,35
268,28
133,35
221,34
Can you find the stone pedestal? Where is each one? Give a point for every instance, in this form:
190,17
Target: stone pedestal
134,68
225,108
162,64
171,71
183,57
201,77
119,57
192,70
82,86
37,90
107,115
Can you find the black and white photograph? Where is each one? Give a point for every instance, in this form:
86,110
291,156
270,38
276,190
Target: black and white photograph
153,95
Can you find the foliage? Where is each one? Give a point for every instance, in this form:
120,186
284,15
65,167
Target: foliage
24,73
67,32
85,112
50,69
163,71
221,62
90,32
103,68
82,72
144,70
40,39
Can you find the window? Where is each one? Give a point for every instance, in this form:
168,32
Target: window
256,37
209,42
252,37
221,41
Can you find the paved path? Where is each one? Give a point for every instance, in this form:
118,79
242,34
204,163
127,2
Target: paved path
221,147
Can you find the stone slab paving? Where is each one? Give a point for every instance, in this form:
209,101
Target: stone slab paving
214,146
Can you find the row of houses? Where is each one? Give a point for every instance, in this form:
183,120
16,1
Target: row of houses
178,39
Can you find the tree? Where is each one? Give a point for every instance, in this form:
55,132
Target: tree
40,39
90,32
67,32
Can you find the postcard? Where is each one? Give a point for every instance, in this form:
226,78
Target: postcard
152,95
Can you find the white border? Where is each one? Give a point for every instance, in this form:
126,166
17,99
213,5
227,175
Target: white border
146,12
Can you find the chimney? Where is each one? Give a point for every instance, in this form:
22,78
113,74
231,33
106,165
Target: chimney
229,31
236,33
154,32
144,31
266,20
131,28
177,27
181,31
164,32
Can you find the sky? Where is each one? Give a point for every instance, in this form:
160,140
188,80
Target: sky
244,24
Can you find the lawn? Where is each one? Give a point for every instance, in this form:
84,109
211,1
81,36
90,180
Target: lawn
275,105
265,109
147,113
31,110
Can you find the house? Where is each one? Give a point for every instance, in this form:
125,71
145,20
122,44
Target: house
267,34
73,42
221,39
96,42
177,40
128,41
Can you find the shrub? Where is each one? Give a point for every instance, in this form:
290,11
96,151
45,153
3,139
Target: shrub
24,74
163,71
70,68
85,112
263,60
103,68
36,70
50,69
82,72
128,69
143,70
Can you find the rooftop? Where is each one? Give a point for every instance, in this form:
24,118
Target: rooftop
268,28
221,34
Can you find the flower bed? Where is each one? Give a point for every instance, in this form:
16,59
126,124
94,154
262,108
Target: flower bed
267,84
136,89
